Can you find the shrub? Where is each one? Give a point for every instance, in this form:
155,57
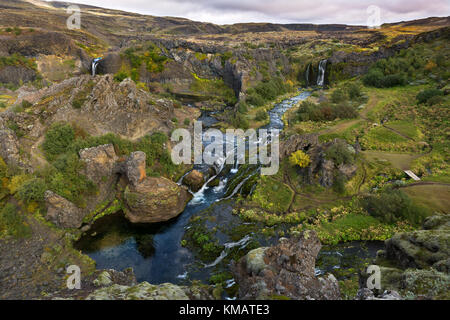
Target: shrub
425,95
310,111
339,153
239,121
32,190
57,139
354,90
261,115
266,91
391,206
12,223
120,76
299,158
338,95
26,104
377,78
339,183
186,122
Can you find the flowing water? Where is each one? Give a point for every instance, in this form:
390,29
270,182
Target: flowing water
154,251
321,75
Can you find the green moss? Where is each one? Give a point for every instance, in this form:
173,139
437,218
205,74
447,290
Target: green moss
272,195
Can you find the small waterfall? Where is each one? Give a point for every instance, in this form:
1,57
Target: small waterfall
322,69
307,74
94,65
241,243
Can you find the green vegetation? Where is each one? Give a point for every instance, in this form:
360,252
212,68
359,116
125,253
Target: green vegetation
214,88
340,153
299,158
391,206
272,195
57,139
17,59
12,223
430,96
267,91
149,56
61,147
32,190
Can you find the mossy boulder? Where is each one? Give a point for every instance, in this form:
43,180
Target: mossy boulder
155,200
422,248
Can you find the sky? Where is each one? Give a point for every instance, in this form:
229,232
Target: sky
354,12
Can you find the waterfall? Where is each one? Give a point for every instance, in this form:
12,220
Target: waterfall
94,65
322,69
307,74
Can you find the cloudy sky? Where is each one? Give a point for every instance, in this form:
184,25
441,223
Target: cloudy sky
281,11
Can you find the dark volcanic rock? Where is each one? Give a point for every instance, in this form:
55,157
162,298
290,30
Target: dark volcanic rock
16,75
286,269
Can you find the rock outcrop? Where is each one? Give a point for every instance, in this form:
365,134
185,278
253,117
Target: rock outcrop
155,200
151,199
285,270
135,168
429,247
17,75
62,212
147,291
416,264
298,142
194,180
9,147
100,167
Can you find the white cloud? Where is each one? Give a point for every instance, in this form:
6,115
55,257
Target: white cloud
280,11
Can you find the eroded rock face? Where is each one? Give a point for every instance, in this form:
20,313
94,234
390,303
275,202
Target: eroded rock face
62,212
286,269
155,200
135,167
298,142
99,162
9,147
101,168
194,180
16,75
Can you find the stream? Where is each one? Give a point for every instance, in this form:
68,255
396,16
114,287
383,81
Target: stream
155,252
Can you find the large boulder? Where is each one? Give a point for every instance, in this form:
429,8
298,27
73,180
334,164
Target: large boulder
422,248
100,163
285,270
154,200
194,180
62,212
